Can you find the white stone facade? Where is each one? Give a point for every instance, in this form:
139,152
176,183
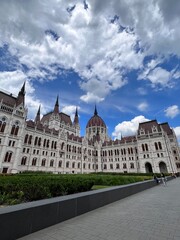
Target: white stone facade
53,144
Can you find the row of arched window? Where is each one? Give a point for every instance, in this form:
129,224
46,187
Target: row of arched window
14,129
73,149
8,157
74,164
116,152
158,146
38,142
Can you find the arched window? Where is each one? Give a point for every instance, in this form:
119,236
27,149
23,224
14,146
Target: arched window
156,145
67,164
124,165
159,144
47,143
84,165
131,150
131,165
30,139
34,161
105,166
143,147
39,142
23,160
146,146
79,165
43,163
62,146
51,163
44,143
15,128
2,124
73,165
35,141
117,165
26,138
60,164
8,157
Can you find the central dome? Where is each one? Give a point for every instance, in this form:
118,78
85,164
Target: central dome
96,121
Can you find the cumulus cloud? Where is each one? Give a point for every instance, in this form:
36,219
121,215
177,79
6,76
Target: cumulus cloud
177,132
70,110
142,106
128,128
100,42
172,111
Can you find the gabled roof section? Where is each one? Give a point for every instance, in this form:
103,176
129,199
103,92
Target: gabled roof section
129,139
148,127
8,99
46,117
65,118
165,126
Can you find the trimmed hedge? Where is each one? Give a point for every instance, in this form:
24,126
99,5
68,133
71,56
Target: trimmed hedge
34,186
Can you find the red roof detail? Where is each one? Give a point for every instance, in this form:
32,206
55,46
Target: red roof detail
8,99
166,128
147,126
96,121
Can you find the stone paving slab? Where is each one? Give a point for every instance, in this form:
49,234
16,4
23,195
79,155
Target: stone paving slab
153,214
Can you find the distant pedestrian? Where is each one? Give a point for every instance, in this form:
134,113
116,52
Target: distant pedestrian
163,178
155,179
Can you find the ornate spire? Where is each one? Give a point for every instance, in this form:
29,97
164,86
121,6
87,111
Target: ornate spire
56,106
95,111
21,95
37,119
76,118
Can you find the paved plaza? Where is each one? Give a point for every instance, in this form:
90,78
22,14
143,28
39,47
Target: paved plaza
153,214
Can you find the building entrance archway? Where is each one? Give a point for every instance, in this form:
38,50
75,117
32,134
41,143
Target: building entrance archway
163,167
148,167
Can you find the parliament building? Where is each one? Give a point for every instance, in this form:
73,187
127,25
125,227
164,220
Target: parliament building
53,143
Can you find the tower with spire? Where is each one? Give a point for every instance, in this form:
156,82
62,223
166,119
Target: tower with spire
37,118
54,121
76,123
21,96
56,106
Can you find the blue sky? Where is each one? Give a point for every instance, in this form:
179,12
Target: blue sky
122,56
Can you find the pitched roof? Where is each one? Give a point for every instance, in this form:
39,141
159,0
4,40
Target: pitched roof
148,126
8,99
165,126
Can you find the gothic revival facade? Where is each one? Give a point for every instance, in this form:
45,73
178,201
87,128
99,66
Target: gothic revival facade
53,143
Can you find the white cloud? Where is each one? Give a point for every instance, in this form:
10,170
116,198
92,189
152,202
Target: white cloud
172,111
177,132
142,91
142,106
12,81
44,36
70,110
128,128
158,76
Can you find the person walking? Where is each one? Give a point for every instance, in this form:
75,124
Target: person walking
163,179
155,179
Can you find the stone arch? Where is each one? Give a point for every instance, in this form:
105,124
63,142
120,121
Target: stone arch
163,167
148,167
